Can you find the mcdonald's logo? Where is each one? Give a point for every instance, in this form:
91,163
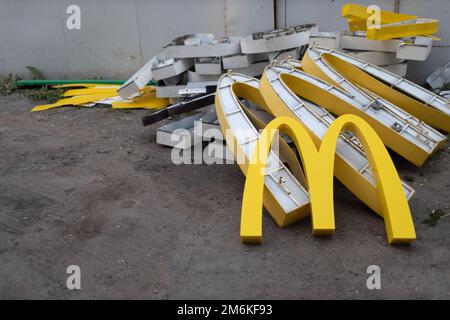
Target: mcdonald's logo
319,167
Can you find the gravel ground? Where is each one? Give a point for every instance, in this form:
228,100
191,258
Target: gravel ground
90,187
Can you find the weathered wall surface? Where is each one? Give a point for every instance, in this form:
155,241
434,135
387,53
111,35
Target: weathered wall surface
437,9
118,36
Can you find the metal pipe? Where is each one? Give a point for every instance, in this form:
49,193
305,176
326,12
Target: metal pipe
397,6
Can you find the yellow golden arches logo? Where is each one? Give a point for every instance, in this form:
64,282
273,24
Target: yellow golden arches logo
319,166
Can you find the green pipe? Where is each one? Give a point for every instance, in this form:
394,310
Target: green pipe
21,83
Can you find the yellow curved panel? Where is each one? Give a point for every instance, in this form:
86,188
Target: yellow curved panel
357,16
392,139
319,167
150,101
426,113
77,101
84,85
252,94
242,90
93,93
141,103
93,90
424,27
351,177
146,101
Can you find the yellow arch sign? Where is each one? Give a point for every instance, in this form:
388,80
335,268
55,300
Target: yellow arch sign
319,166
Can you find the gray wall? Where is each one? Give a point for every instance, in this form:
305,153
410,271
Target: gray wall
118,36
437,9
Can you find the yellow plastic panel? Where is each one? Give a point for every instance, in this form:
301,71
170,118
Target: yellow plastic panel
426,113
350,177
84,85
425,27
398,143
245,91
392,25
146,101
93,90
77,101
357,15
319,166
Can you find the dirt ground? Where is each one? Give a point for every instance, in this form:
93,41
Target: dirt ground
90,187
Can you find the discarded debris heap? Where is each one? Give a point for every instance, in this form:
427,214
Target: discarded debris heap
339,99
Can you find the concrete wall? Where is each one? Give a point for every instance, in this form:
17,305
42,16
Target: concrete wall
118,36
437,9
327,13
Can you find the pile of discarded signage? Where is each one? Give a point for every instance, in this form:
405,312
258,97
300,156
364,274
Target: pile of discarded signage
403,37
240,86
190,65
